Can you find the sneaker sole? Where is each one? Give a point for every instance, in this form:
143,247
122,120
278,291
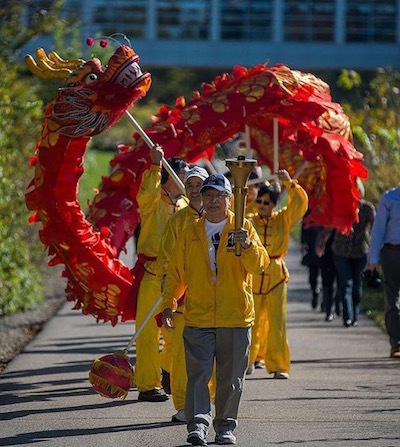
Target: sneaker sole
281,377
195,440
225,441
177,421
153,399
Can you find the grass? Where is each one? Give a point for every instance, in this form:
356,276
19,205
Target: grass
372,305
96,165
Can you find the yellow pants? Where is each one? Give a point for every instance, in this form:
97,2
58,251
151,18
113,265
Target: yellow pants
166,351
178,366
269,336
147,368
258,345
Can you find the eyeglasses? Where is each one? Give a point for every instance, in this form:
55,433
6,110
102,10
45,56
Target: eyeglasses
263,202
220,196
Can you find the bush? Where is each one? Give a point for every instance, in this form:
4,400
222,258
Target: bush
380,179
21,255
22,259
372,305
372,106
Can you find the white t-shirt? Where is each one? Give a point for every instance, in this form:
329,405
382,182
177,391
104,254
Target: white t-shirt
213,233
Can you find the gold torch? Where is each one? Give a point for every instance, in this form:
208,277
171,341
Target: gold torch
240,169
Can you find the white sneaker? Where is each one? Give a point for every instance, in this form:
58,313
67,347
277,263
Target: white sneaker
226,437
281,375
259,365
179,417
196,438
250,369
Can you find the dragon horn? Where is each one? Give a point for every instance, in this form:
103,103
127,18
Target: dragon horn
46,68
62,63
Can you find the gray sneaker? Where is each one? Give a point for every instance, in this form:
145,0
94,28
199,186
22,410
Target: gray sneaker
281,375
179,417
250,369
196,438
226,437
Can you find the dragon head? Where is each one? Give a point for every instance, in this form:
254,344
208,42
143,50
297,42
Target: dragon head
94,96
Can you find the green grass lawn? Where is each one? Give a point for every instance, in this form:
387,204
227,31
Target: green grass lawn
372,305
96,165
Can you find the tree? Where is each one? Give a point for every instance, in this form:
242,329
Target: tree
21,256
373,111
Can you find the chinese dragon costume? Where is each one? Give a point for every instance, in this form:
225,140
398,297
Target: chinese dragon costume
312,128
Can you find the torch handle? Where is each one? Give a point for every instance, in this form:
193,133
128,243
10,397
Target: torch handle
239,205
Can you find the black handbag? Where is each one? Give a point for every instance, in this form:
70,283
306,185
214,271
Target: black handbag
371,278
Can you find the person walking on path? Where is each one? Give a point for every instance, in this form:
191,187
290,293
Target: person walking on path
385,250
270,287
193,181
309,236
158,198
330,292
323,265
218,311
350,258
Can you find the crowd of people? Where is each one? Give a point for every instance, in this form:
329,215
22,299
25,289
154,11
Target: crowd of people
223,315
340,259
341,262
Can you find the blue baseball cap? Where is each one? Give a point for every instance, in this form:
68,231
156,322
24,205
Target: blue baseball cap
218,182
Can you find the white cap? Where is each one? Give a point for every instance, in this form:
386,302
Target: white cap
196,171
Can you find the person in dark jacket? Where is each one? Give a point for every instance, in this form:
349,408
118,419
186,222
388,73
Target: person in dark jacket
350,255
309,236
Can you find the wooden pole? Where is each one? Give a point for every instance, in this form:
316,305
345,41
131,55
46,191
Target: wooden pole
150,144
276,145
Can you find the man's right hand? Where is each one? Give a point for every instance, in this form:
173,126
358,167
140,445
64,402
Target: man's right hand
156,154
373,267
167,318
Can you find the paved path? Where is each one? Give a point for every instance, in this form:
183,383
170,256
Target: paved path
343,390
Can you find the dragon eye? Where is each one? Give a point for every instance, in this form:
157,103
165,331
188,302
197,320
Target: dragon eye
90,78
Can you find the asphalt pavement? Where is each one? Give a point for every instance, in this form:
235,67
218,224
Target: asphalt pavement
343,390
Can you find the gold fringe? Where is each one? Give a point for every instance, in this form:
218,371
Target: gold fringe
114,390
123,372
104,384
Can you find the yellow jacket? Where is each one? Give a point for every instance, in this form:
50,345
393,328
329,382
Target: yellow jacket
173,229
275,233
228,302
250,210
155,208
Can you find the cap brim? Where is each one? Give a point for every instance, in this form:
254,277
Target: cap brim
195,175
217,187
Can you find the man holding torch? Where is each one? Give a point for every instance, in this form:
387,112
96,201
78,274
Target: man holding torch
219,309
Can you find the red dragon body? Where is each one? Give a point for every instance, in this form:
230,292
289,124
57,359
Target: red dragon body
93,98
311,128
